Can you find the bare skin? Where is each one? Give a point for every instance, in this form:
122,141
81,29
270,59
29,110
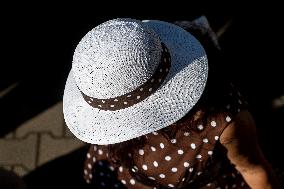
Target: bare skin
240,142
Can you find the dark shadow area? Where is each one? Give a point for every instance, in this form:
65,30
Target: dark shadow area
64,172
252,44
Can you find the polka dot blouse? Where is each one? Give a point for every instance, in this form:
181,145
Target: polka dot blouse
191,159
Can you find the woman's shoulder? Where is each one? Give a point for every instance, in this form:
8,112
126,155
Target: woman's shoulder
240,130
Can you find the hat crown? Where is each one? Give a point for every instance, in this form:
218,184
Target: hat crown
115,58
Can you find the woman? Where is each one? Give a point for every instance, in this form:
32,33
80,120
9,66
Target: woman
139,93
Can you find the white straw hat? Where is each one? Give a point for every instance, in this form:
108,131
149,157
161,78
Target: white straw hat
130,78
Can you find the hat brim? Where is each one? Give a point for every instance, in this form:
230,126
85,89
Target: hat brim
179,92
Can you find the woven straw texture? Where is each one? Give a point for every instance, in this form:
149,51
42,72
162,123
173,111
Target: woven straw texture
118,56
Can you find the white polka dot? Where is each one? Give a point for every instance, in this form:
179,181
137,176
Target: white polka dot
173,140
228,118
120,169
208,185
182,179
205,140
150,89
88,181
89,166
242,183
216,137
155,164
190,169
99,105
112,105
152,178
123,181
129,154
162,176
138,97
124,102
88,155
100,152
168,158
153,148
192,145
186,133
94,159
210,152
132,181
239,93
171,185
85,171
103,101
89,102
141,89
160,80
152,80
167,69
129,95
174,169
134,169
144,167
165,59
180,152
200,127
111,168
199,173
115,100
240,102
199,156
141,152
234,186
95,148
213,123
186,164
162,145
161,70
154,133
90,176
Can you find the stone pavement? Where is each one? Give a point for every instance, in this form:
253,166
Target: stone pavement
37,141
